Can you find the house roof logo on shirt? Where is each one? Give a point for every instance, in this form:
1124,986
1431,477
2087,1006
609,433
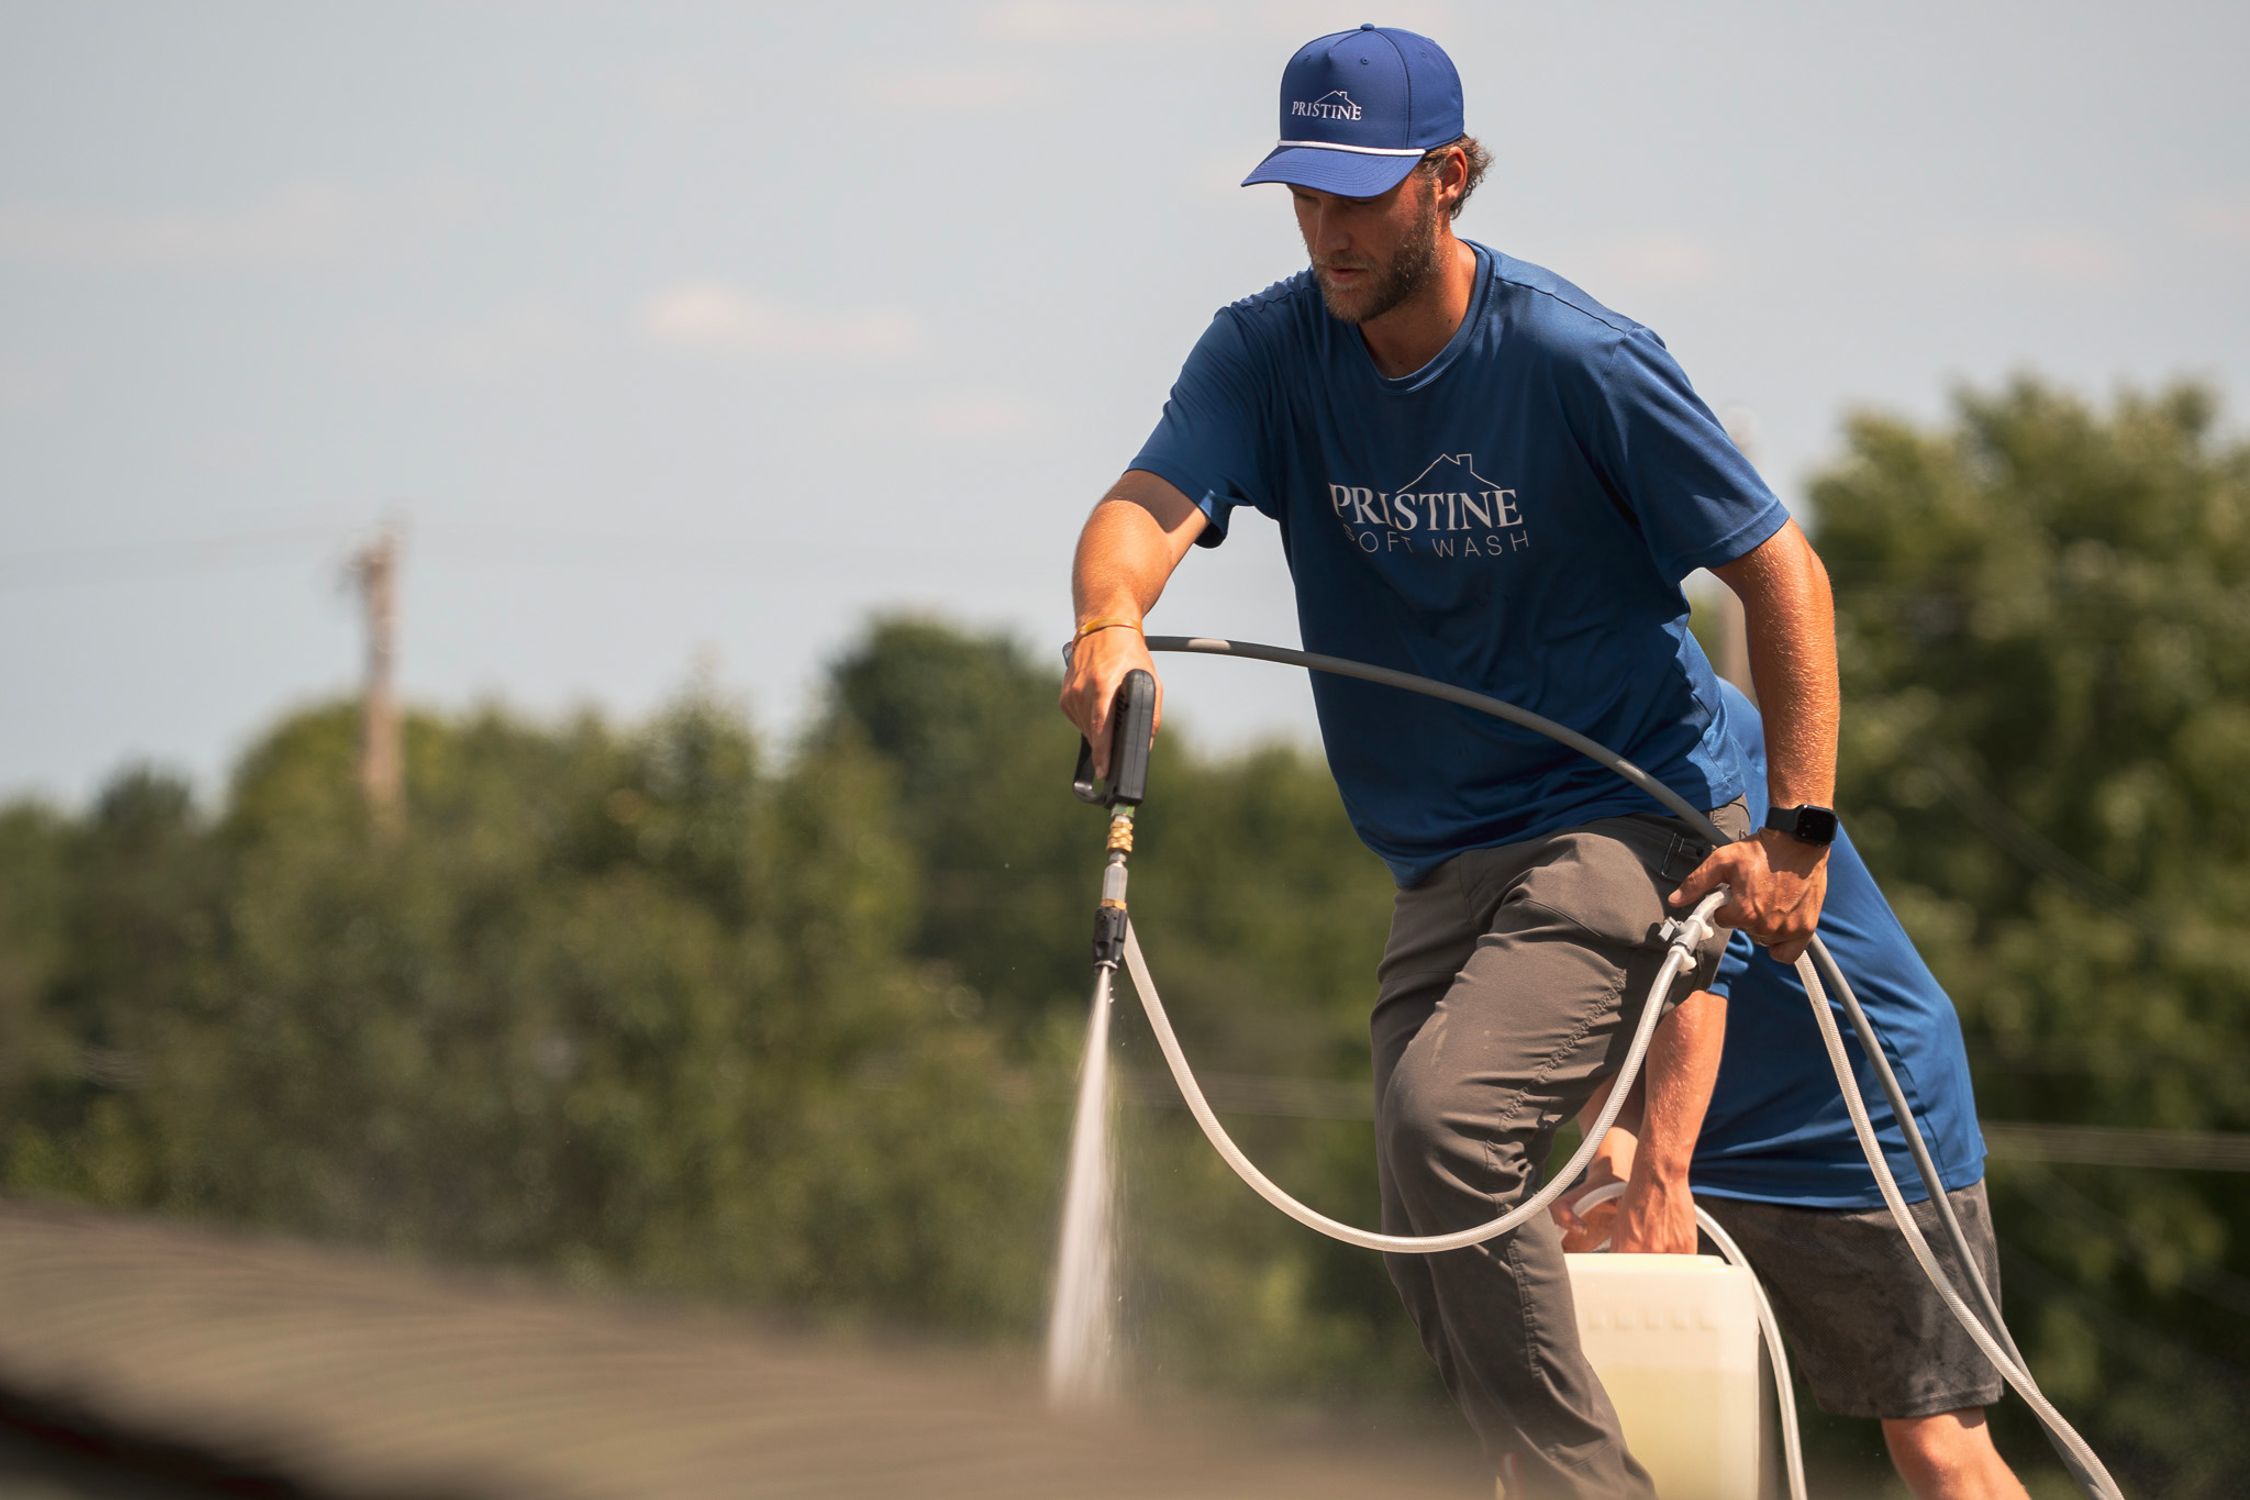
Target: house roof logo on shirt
1459,468
1447,510
1333,105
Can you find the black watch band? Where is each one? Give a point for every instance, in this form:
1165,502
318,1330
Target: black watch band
1808,822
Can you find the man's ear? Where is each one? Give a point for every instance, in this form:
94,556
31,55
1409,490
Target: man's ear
1455,175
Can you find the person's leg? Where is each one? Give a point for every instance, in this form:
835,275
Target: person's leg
1949,1456
1432,935
1869,1336
1474,1080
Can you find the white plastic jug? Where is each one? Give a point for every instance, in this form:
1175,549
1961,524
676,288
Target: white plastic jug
1675,1341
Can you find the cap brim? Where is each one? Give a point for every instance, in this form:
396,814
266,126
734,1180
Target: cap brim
1348,174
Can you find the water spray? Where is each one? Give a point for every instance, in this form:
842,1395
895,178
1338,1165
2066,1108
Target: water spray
1116,941
1081,1333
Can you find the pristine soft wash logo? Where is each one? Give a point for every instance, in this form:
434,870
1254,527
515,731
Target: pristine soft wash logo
1447,510
1333,105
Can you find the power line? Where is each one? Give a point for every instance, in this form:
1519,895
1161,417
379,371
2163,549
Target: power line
1271,1097
2133,1335
138,560
2214,1284
478,546
1256,1094
2075,1060
2028,847
2119,1146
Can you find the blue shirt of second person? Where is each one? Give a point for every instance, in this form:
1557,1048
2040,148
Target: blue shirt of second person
1776,1131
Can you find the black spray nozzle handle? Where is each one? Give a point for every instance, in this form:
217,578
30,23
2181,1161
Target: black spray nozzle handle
1132,722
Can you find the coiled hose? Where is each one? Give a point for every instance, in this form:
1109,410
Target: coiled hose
1995,1343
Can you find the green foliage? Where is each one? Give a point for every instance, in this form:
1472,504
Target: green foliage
1264,916
2045,640
630,1005
968,726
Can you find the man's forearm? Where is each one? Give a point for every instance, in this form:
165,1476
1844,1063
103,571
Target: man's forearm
1657,1214
1683,1063
1775,882
1123,561
1789,620
1126,553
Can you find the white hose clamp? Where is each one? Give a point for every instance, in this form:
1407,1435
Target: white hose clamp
1692,931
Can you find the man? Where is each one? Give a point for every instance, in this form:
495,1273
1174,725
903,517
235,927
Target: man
1777,1164
1482,475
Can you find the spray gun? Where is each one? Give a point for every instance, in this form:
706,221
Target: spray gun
1132,722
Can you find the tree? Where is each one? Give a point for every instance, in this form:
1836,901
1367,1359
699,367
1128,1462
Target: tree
2045,641
136,921
636,1005
980,758
40,1088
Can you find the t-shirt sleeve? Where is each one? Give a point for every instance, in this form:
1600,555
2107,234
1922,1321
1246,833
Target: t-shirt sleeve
1210,444
1733,964
1697,500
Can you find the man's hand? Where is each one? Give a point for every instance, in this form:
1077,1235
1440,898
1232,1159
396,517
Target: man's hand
1775,886
1098,666
1129,547
1612,1163
1655,1217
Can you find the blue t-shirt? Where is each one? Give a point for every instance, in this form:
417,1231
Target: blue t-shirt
1776,1131
1514,517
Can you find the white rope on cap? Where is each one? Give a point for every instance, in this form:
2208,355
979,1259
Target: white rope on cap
1358,150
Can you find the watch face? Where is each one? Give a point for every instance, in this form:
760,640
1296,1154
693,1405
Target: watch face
1808,824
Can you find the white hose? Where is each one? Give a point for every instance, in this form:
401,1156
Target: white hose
1777,1356
2087,1468
2015,1374
1686,934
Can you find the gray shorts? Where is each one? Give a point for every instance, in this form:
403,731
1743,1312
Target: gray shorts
1867,1333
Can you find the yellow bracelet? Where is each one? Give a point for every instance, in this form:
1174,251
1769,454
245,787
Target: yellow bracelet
1091,626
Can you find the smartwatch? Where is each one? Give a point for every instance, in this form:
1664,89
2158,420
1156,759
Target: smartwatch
1807,823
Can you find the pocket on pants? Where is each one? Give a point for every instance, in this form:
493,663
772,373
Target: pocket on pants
1610,877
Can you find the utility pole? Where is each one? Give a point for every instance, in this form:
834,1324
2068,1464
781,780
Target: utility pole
375,570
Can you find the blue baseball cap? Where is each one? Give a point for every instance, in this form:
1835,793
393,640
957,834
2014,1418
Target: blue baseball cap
1359,109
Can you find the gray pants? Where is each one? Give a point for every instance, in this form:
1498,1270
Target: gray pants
1508,991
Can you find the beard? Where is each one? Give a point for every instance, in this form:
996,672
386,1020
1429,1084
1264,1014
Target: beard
1412,267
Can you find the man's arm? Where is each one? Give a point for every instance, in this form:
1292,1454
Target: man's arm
1775,883
1131,543
1651,1145
1657,1214
1612,1162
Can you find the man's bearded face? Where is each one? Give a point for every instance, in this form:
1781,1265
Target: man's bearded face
1388,256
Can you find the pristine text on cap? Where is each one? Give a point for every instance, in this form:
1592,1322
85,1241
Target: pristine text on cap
1359,109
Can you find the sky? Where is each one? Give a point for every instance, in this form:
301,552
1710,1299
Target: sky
681,339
